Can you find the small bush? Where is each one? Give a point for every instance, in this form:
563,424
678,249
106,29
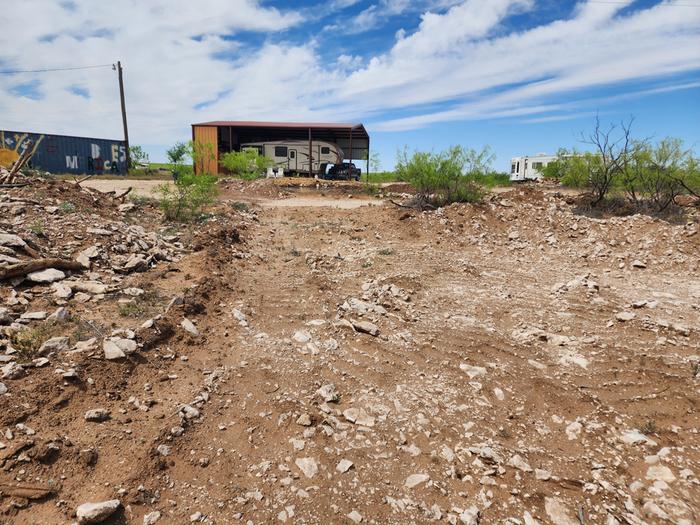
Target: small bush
239,206
184,200
247,164
454,175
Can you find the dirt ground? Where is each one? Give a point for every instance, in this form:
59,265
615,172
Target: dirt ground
510,362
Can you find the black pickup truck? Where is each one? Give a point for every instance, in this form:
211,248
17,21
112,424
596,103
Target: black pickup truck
344,171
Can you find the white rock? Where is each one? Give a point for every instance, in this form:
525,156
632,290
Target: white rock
366,327
344,465
301,336
197,516
518,462
34,316
308,466
189,327
112,350
61,314
472,371
470,516
49,275
328,393
542,474
625,316
634,436
638,264
55,344
97,414
96,512
573,430
11,370
3,389
499,394
125,345
151,518
660,473
447,454
557,512
355,516
359,417
529,520
92,287
163,450
415,479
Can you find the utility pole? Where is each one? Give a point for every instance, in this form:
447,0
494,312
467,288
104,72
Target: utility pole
126,128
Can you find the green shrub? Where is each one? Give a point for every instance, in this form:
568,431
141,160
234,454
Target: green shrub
454,175
184,200
247,164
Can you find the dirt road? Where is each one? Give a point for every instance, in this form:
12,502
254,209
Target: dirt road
145,188
510,362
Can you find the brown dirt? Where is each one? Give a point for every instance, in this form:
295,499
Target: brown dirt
498,334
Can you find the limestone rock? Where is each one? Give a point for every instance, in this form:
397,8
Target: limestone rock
49,275
415,479
97,415
189,327
96,512
308,466
55,344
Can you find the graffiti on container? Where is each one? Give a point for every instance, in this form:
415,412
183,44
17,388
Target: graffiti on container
101,158
95,162
10,150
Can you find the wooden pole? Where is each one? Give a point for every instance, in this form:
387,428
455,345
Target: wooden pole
126,128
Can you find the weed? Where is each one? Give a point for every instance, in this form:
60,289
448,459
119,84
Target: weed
142,200
27,342
367,264
183,201
649,427
295,253
386,251
37,227
131,309
66,207
239,206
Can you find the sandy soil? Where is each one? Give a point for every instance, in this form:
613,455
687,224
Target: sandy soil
145,188
509,362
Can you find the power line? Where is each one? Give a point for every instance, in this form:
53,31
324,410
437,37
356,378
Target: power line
12,72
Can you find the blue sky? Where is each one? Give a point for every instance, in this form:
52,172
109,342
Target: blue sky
523,76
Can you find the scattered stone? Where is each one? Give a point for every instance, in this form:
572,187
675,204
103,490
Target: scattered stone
355,517
633,437
366,327
189,327
470,516
328,393
304,420
97,415
308,466
558,513
415,479
542,475
638,264
660,473
151,518
55,344
112,350
3,389
96,512
34,316
518,462
163,450
344,465
472,371
625,316
359,417
301,336
12,370
573,430
47,276
135,263
61,314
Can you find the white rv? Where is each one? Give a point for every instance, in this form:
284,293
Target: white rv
293,155
529,168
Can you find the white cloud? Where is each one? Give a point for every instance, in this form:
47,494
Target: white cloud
462,59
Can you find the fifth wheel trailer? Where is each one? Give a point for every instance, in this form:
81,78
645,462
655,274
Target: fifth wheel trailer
293,155
529,168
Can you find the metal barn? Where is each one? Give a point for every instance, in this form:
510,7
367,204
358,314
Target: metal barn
228,136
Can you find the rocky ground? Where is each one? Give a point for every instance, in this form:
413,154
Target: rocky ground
513,362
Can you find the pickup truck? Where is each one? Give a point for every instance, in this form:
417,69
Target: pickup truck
344,171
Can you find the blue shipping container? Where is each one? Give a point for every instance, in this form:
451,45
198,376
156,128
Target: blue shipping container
62,154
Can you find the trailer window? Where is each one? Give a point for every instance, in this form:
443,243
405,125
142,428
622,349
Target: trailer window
325,150
512,168
292,154
281,151
537,165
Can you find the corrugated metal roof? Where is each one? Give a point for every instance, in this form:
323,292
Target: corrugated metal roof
299,125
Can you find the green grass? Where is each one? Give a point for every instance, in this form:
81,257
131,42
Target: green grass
380,177
160,166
